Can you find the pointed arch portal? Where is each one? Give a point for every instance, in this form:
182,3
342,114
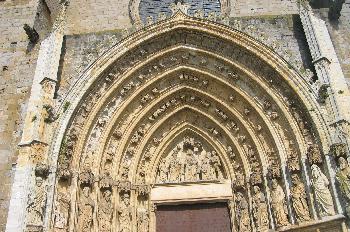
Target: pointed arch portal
187,111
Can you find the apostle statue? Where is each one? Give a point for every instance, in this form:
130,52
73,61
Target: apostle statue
299,200
343,178
86,209
62,208
142,220
278,203
36,203
260,211
242,213
125,214
105,211
323,196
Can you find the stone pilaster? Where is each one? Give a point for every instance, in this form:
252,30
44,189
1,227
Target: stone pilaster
36,129
331,84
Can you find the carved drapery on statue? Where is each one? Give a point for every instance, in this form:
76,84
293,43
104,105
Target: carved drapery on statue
323,196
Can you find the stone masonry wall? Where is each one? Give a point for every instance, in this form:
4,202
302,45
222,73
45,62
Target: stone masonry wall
340,35
263,7
17,65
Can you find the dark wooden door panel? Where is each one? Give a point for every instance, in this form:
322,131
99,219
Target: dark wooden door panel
209,217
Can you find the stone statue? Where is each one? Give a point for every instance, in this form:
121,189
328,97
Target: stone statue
215,160
125,214
86,209
260,212
191,167
207,170
142,220
163,172
278,203
62,209
105,211
323,196
299,200
175,168
36,203
343,178
242,213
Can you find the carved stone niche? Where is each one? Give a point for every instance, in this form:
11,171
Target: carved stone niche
190,161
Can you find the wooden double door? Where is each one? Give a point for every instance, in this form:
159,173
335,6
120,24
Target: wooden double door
204,217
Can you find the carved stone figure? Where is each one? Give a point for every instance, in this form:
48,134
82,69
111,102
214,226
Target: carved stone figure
343,178
163,172
260,212
125,214
191,167
299,200
175,167
313,154
105,211
36,203
62,208
278,203
242,219
208,171
231,206
293,161
189,161
215,160
86,209
142,220
323,196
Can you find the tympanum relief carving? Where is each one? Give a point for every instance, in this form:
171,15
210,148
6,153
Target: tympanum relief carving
189,161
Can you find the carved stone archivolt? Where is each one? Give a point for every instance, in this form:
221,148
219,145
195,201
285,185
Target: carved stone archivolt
187,108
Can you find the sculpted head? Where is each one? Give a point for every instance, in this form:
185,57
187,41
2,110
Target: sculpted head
343,164
38,181
107,194
256,189
86,191
295,179
274,184
316,171
126,199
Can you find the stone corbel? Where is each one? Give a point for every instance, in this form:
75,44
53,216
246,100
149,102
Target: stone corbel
335,7
33,36
142,190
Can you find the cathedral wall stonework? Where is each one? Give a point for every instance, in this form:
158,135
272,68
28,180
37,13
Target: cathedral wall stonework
340,33
16,73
